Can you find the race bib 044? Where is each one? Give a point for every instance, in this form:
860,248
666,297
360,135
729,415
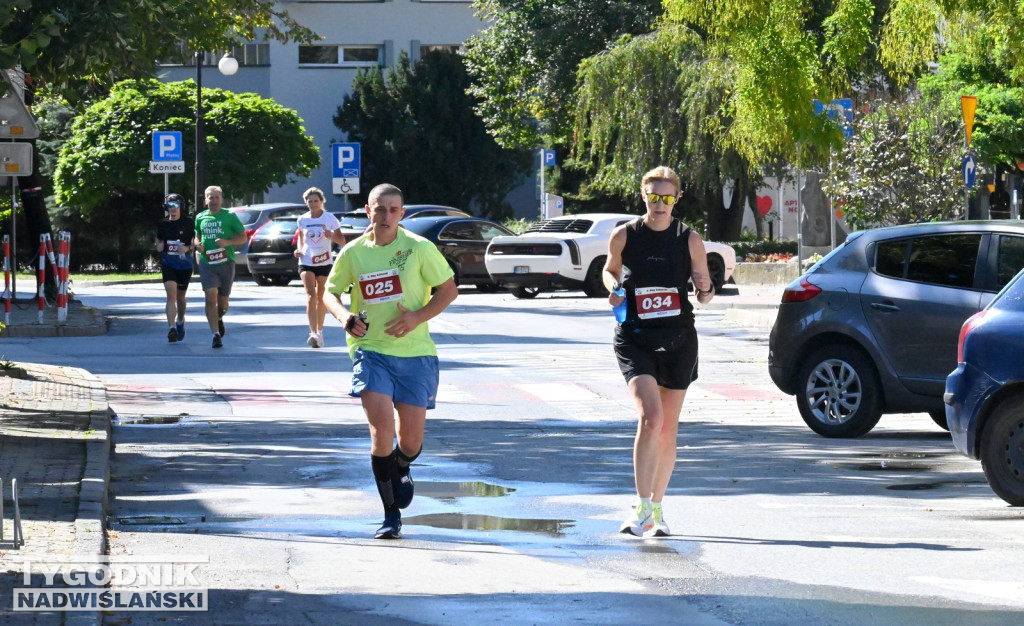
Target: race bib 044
380,287
654,302
216,256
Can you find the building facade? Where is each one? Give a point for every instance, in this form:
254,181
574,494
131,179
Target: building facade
313,79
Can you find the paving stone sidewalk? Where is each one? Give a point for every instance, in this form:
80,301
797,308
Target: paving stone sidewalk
55,440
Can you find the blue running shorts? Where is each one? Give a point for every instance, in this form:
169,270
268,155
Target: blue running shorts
406,380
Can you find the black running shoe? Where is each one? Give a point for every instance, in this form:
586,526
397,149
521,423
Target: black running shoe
172,335
217,343
220,327
404,490
392,526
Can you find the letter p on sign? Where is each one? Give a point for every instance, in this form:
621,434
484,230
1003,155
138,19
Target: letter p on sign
166,145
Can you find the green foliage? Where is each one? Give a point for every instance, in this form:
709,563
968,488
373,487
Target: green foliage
517,225
524,64
901,166
748,247
252,143
419,131
82,46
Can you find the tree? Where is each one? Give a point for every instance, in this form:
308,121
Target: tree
902,165
524,64
78,48
419,131
102,169
646,102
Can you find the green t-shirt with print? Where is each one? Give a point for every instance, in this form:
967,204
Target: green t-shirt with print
381,277
210,227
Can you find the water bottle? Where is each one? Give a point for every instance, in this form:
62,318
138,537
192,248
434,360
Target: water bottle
620,309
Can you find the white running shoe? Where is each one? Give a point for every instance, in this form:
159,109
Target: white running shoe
659,528
320,339
640,522
312,342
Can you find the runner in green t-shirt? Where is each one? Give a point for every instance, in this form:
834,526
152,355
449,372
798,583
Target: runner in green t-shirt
217,231
394,361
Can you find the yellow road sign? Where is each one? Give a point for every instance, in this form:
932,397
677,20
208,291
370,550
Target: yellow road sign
969,105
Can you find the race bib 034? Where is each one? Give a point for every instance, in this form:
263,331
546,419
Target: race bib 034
654,302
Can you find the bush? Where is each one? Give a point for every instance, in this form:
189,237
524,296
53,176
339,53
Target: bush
763,247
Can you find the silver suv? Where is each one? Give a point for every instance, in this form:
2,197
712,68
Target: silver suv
872,328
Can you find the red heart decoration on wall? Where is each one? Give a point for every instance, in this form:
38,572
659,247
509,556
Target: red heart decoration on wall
764,204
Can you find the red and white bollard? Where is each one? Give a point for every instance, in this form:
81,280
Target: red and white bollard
52,259
63,256
7,279
41,277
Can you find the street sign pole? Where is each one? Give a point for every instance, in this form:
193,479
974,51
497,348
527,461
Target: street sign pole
542,187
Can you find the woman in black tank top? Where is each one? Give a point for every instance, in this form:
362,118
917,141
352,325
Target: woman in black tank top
653,259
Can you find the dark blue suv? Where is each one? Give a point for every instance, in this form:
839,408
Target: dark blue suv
985,393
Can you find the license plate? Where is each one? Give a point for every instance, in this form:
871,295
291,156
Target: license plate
521,269
264,261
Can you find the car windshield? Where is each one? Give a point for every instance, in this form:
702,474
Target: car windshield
279,227
1012,295
245,216
834,251
354,219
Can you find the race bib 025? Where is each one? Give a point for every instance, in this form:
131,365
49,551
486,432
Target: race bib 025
654,302
380,287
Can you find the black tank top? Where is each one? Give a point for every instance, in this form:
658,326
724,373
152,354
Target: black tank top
655,263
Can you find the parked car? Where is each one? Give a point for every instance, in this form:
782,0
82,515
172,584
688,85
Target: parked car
872,328
354,223
985,393
463,242
254,216
569,252
271,258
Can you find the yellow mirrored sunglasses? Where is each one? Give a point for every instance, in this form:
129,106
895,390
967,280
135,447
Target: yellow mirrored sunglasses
668,199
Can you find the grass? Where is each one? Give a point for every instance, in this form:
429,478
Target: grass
108,276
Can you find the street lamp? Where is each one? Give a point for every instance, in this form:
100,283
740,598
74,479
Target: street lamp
227,65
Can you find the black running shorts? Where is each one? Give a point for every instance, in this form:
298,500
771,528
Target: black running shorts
671,370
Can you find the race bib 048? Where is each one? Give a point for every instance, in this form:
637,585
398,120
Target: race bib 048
653,302
380,287
323,257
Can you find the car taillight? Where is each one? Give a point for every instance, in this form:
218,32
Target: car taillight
972,322
801,293
295,239
249,232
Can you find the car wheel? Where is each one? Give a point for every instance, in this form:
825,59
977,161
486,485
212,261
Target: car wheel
525,293
262,280
282,280
839,392
716,268
1001,448
939,417
593,284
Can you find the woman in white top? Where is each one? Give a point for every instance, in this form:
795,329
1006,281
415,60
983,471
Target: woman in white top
317,229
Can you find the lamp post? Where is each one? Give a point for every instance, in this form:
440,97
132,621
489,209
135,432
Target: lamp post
227,65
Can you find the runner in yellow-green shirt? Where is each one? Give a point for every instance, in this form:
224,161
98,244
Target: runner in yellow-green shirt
391,273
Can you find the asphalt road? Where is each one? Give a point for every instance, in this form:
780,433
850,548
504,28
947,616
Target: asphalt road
253,458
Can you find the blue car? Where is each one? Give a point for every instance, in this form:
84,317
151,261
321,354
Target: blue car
985,393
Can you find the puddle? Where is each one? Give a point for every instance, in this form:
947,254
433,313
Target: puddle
452,490
467,521
886,466
148,420
168,520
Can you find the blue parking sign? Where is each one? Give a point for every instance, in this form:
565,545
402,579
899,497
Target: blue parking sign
166,145
345,160
549,158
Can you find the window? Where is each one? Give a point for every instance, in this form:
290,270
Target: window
1010,258
248,55
947,260
340,56
439,47
464,231
490,231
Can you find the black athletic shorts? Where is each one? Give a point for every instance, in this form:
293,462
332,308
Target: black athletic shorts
671,370
318,270
182,277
